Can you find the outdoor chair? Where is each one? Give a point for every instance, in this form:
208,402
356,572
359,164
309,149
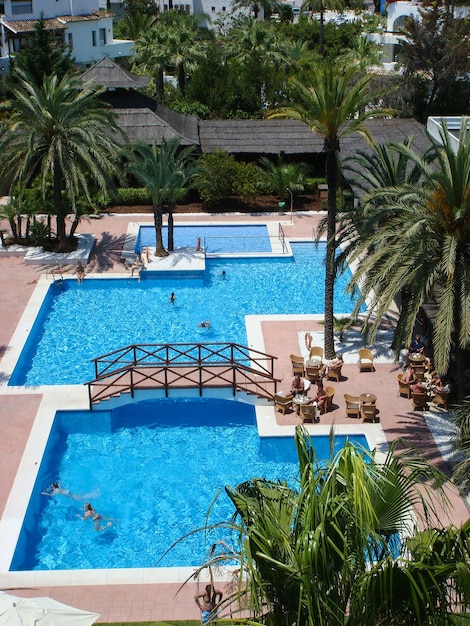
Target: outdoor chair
419,372
312,372
334,373
352,406
403,387
282,403
309,413
298,366
420,401
329,398
369,413
366,360
441,398
316,352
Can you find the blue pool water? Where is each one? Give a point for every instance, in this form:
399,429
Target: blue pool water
80,322
214,239
156,467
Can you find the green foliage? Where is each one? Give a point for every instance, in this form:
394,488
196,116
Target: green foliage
246,183
44,57
311,184
216,176
127,196
280,176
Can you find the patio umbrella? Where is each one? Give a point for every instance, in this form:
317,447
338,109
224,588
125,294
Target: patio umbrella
41,612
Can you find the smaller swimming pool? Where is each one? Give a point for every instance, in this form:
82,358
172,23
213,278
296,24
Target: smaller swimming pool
156,466
213,238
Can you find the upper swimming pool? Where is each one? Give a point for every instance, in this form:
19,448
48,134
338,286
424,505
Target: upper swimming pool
77,323
155,466
218,238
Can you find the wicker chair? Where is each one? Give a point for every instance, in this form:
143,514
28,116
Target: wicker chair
334,373
403,387
282,403
316,352
298,366
309,413
312,372
329,398
369,413
441,398
419,400
419,372
352,406
366,360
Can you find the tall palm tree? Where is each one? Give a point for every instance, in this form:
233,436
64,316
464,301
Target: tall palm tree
63,131
333,106
267,6
165,173
418,245
310,551
320,6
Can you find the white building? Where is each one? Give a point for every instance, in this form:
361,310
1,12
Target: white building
84,25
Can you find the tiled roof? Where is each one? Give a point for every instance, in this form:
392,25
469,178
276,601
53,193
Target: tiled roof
54,23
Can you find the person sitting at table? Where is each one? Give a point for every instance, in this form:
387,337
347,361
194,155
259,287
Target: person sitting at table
321,396
418,387
417,345
409,376
445,387
336,362
297,385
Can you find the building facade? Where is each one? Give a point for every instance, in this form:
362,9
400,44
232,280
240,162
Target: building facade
83,25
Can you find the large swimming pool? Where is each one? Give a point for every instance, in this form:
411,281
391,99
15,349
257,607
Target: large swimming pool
155,466
80,322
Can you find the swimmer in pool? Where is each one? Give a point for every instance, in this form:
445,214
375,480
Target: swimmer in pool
56,490
90,513
172,297
204,324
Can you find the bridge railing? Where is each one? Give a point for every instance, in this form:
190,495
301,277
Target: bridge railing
182,365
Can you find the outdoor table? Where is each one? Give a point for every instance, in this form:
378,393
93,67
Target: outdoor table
313,363
368,398
416,358
301,400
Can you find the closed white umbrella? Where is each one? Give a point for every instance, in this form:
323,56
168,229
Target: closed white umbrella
41,612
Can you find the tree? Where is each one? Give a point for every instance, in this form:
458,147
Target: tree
461,470
61,131
436,46
341,544
255,6
165,172
418,245
280,176
320,6
333,106
44,56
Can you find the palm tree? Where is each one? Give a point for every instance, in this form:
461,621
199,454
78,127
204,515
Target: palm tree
281,176
63,131
461,470
165,172
319,551
267,6
417,245
333,106
320,6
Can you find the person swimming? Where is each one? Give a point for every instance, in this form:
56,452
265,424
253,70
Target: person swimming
91,513
172,297
204,324
56,490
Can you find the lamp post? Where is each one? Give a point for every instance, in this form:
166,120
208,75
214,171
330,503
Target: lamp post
291,205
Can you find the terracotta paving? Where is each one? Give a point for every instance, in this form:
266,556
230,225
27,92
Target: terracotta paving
140,602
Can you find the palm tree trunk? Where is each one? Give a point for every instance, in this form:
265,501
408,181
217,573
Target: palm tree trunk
181,79
331,176
158,221
59,210
322,27
171,230
160,85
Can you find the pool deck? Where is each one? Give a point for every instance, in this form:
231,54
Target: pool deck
118,599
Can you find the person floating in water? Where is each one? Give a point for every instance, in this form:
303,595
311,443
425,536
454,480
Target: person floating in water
56,490
80,272
208,602
204,324
172,297
90,513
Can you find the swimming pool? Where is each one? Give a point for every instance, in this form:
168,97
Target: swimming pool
154,465
219,238
78,323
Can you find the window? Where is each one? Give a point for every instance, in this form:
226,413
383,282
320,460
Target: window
224,9
93,37
20,7
2,8
70,40
102,36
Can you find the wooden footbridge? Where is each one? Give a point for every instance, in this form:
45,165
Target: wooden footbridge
182,365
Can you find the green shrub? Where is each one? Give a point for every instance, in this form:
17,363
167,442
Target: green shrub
216,177
128,196
247,181
311,184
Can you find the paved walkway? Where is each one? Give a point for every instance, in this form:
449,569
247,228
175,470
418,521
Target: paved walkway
139,602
